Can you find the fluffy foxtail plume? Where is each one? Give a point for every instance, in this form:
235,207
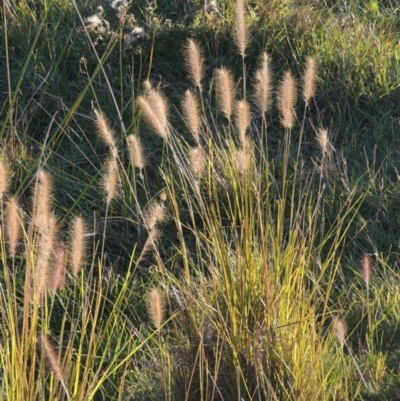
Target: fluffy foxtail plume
155,213
366,269
151,242
262,85
57,276
242,119
46,245
242,36
13,225
110,179
136,152
323,142
4,179
194,62
51,358
191,114
196,161
156,307
287,100
106,134
154,108
42,200
309,79
224,91
77,245
340,330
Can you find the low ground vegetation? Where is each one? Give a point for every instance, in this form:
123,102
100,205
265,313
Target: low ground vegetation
199,201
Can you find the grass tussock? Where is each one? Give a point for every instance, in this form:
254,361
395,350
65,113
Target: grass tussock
249,255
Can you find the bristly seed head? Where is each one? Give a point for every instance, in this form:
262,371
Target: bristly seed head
4,179
309,79
224,88
287,100
366,269
194,62
156,307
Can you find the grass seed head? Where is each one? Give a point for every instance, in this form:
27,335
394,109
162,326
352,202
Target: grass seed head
242,36
262,86
13,219
224,87
197,161
242,119
191,114
287,100
77,245
42,200
340,330
156,307
366,269
194,61
309,79
4,179
136,151
110,179
154,108
106,134
51,358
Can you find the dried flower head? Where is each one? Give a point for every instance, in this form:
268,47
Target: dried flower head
119,4
136,34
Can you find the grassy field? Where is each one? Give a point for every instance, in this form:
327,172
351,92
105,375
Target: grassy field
199,201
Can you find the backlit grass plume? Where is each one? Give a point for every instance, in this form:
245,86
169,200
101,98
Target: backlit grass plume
154,108
4,179
194,61
224,89
309,79
242,119
262,86
13,219
77,246
241,34
106,134
287,96
42,200
156,307
191,114
136,151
